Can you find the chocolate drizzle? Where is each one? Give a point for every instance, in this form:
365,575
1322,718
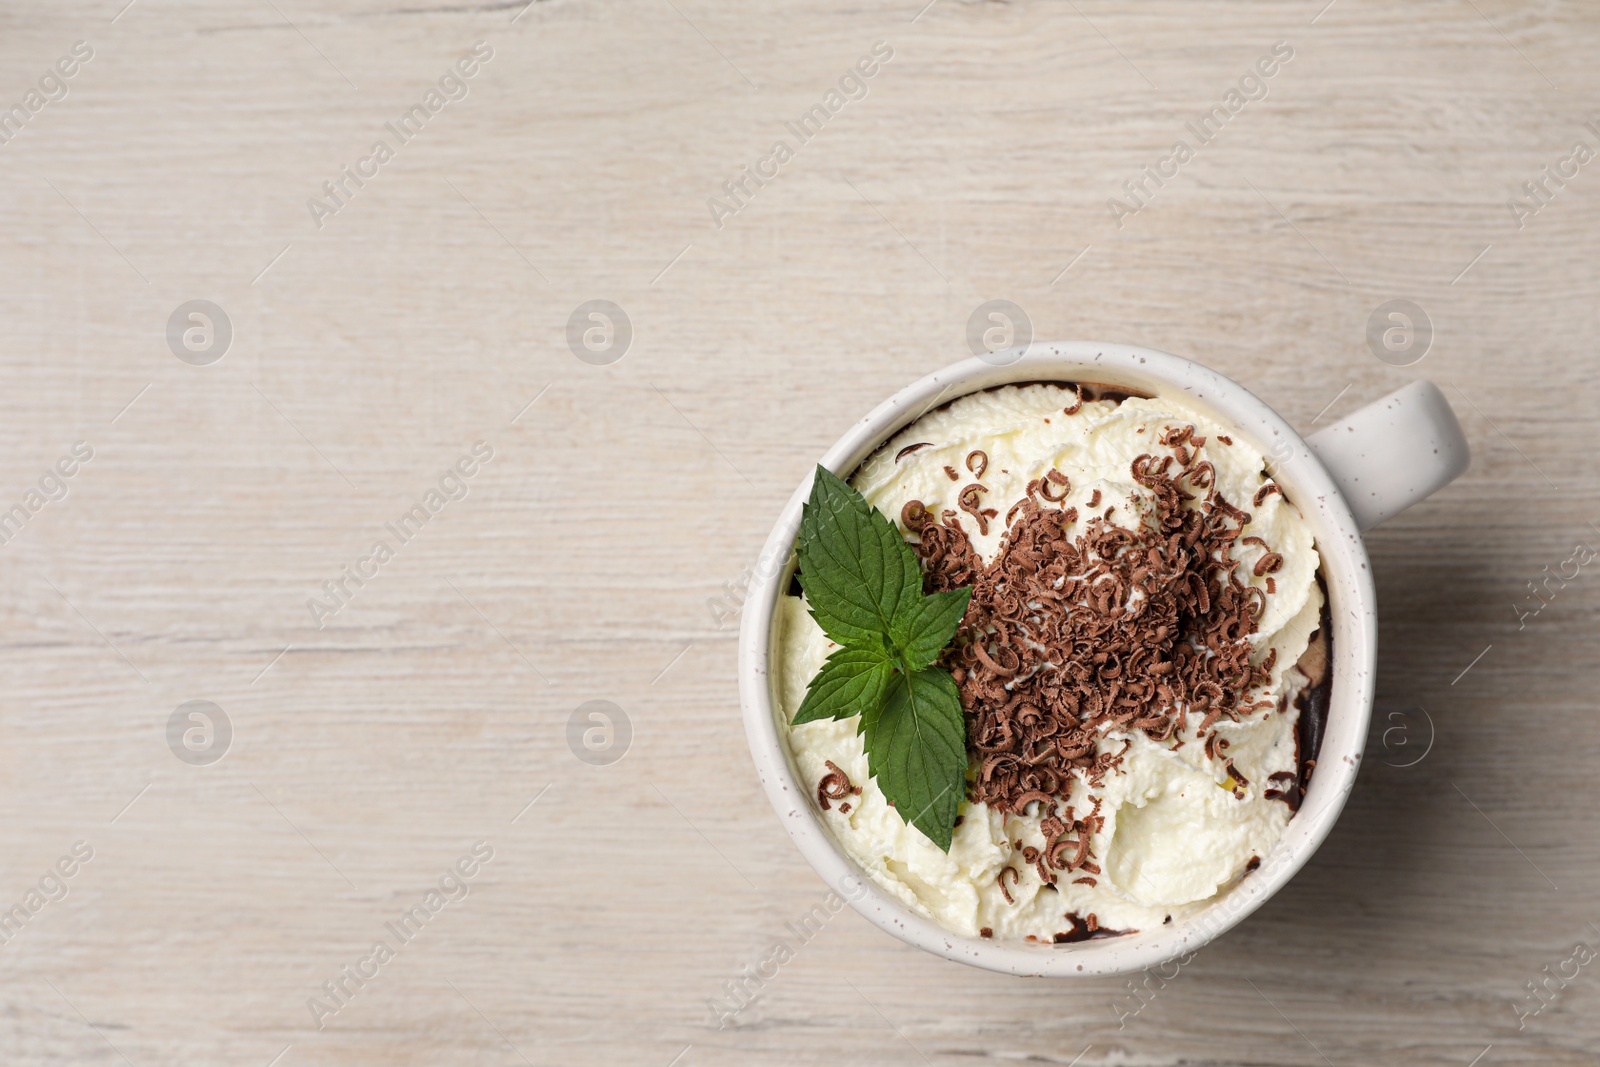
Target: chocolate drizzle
1084,928
1313,702
906,451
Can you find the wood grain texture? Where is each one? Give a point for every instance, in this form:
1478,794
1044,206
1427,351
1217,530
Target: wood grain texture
370,753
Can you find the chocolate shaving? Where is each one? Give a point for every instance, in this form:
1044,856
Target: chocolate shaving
1265,491
968,501
948,558
1174,437
1043,485
952,472
1016,876
1077,403
1038,858
835,785
1127,628
983,462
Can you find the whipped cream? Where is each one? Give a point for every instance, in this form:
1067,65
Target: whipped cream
1176,830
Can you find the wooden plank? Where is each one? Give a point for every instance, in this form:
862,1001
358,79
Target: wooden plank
429,312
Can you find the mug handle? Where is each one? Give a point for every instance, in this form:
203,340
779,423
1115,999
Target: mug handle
1393,452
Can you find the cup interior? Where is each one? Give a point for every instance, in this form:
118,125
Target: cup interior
1345,571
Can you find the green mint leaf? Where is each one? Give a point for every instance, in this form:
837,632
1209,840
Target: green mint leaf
849,683
843,633
858,573
863,586
916,749
923,631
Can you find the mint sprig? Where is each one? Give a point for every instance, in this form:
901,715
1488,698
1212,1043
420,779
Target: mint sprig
864,588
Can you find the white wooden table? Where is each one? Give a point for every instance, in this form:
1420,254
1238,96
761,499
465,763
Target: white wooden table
370,747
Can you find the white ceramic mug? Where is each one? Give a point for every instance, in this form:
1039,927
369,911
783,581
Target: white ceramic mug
1344,479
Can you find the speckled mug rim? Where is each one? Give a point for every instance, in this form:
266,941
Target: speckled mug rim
1352,607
